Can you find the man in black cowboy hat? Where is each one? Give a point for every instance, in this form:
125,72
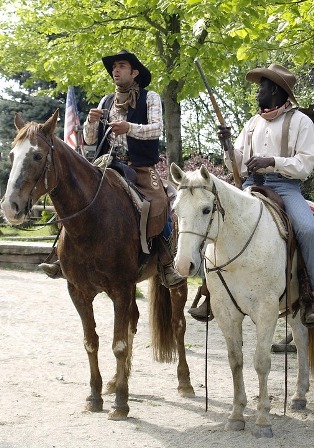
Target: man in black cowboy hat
128,123
276,149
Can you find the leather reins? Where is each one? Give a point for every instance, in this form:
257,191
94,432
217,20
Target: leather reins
218,269
46,168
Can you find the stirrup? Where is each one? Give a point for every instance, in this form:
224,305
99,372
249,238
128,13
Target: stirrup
202,313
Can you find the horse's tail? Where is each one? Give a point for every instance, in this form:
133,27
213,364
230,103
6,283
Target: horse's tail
311,350
160,316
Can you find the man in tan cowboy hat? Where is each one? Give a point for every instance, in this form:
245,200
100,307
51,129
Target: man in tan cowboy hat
129,123
276,149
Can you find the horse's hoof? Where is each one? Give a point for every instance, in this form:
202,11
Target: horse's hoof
118,414
94,405
235,425
186,392
298,405
262,431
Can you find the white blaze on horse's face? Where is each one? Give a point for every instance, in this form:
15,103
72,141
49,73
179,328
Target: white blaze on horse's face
193,207
27,164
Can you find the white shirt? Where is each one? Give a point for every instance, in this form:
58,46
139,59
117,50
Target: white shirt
266,142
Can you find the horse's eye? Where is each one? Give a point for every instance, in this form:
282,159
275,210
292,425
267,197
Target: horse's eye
206,210
37,156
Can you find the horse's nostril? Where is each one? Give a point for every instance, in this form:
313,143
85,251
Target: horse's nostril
192,266
15,207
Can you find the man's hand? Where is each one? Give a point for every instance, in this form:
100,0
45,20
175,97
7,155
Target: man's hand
119,127
256,163
95,115
224,134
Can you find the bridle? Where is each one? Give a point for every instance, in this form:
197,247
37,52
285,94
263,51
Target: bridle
216,207
218,269
49,161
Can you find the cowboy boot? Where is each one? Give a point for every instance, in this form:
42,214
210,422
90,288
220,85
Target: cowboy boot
307,310
53,270
169,277
306,298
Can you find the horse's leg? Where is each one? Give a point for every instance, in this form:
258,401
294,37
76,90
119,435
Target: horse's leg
300,336
265,328
231,328
134,315
178,300
84,306
122,297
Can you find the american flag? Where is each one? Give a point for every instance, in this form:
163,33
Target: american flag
71,121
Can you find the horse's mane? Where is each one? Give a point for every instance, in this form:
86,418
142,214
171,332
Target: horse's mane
30,130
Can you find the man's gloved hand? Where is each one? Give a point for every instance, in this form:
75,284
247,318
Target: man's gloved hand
224,134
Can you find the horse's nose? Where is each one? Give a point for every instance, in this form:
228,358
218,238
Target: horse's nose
15,207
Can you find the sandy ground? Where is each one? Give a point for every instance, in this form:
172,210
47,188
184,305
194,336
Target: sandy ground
44,378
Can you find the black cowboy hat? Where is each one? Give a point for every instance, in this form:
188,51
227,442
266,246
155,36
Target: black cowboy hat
144,77
276,73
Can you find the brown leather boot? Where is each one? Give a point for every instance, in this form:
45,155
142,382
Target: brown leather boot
309,313
306,295
169,277
53,270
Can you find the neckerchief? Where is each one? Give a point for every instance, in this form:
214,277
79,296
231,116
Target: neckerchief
271,114
126,97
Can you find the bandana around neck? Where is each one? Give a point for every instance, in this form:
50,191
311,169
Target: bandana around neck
126,97
271,114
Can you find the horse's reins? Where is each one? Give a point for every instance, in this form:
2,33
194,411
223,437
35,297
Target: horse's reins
219,269
46,168
218,207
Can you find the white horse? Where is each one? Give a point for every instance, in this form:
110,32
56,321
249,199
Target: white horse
245,261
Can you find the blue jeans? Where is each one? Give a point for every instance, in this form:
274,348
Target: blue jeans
299,212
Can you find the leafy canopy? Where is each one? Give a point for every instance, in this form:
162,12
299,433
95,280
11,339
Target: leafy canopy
64,41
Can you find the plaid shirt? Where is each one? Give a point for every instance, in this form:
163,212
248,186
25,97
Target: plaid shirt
150,131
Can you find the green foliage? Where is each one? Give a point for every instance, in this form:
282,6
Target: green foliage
63,42
41,37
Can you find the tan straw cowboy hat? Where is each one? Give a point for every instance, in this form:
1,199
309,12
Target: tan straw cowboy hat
144,76
276,73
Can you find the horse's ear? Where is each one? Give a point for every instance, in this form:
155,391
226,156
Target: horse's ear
176,173
18,121
204,172
50,125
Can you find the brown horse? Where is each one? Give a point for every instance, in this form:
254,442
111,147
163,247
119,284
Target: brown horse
99,250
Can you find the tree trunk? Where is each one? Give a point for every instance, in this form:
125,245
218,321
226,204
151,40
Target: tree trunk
173,124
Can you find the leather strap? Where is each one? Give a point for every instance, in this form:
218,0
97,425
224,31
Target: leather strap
143,225
285,133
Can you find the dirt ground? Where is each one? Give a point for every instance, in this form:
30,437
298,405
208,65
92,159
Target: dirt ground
44,378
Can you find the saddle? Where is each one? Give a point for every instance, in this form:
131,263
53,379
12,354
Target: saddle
275,205
126,177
